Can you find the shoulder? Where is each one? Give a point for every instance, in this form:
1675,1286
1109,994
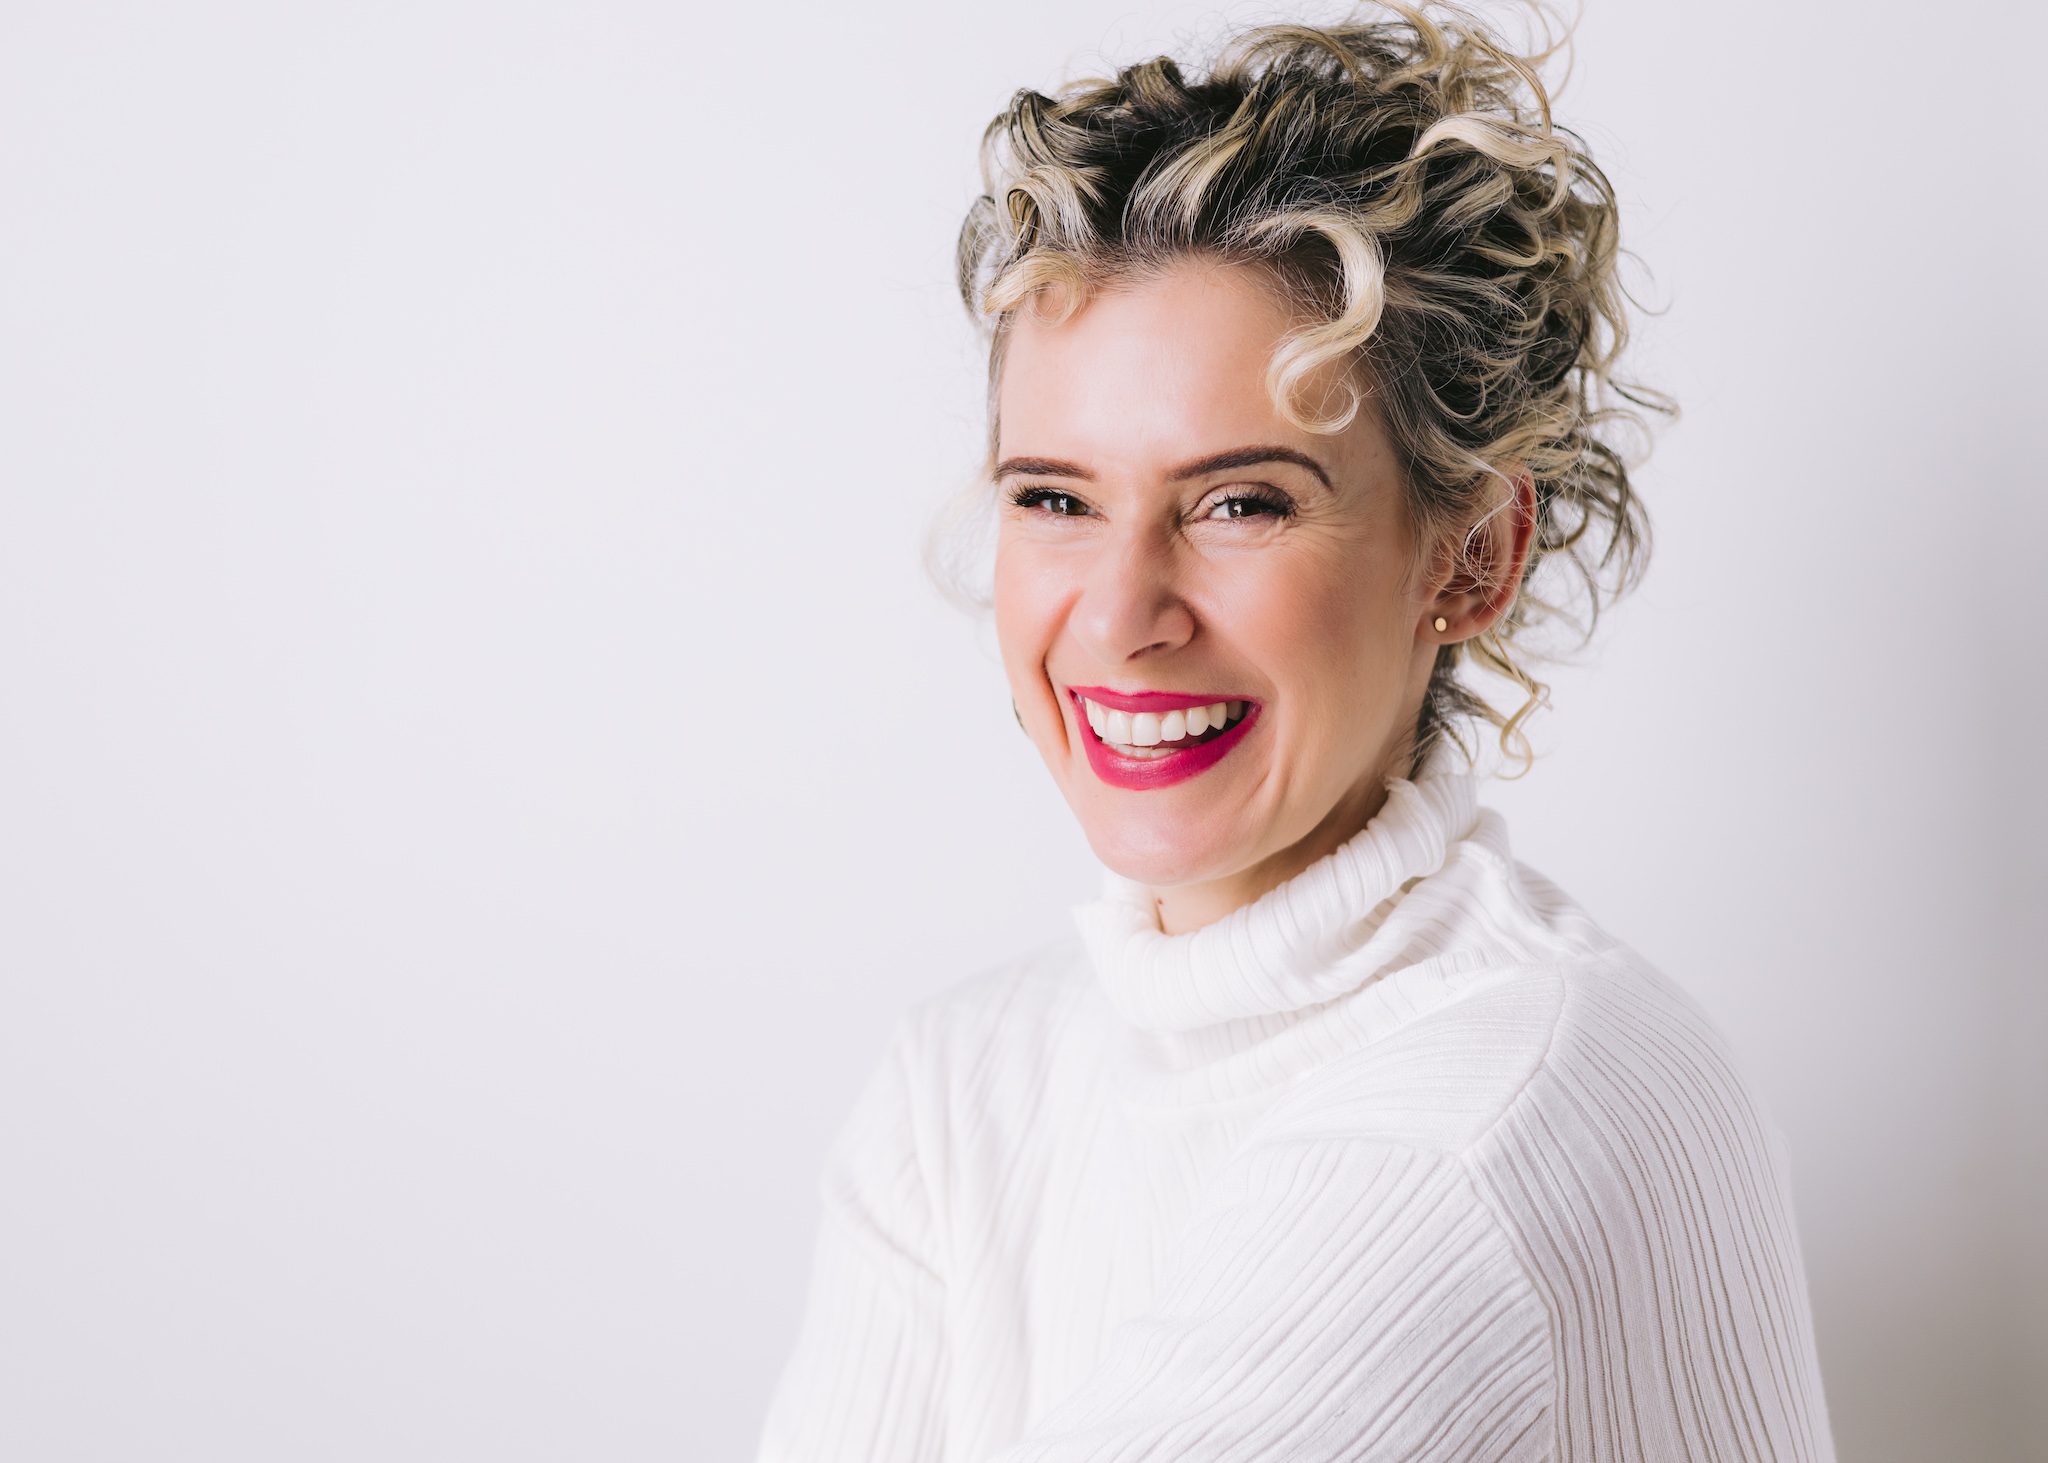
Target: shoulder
1640,1105
1537,1010
983,1063
1006,1020
1638,1178
951,1058
1008,1014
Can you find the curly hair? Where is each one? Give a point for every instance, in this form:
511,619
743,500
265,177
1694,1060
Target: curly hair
1402,181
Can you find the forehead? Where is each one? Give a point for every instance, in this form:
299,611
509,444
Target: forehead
1155,370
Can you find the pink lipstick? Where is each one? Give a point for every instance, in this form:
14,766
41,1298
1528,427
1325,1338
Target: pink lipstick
1202,733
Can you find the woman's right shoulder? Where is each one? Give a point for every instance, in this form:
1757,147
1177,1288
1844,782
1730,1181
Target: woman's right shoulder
1015,1015
969,1081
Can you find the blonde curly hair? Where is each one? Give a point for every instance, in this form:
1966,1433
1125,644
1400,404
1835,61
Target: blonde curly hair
1402,181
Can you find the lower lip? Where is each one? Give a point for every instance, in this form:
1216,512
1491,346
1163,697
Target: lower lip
1144,774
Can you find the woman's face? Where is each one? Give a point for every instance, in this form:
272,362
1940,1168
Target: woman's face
1171,545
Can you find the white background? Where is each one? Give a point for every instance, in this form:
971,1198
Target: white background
480,768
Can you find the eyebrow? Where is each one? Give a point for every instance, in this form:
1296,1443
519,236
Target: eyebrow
1247,457
1042,467
1236,457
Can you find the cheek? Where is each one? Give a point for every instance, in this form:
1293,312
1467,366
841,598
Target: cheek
1328,628
1027,605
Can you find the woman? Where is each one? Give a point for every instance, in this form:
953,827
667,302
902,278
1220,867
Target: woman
1339,1135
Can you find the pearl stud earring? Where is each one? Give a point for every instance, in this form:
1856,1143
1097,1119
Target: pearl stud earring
1442,624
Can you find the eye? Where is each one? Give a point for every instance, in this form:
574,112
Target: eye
1050,500
1249,505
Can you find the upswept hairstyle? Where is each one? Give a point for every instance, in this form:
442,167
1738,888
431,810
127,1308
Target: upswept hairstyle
1401,180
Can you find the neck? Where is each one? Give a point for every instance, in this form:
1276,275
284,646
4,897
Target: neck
1185,907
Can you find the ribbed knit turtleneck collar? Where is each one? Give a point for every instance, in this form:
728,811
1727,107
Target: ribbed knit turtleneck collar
1305,944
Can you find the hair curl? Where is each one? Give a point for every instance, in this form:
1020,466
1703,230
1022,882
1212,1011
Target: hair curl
1402,180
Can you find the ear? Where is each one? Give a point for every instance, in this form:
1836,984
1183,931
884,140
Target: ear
1479,567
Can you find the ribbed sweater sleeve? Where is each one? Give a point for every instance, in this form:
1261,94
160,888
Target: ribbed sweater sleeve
1333,1300
867,1382
1648,1198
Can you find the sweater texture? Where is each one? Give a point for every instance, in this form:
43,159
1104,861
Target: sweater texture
1407,1160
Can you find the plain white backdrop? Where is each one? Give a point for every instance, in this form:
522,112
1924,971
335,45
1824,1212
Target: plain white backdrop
481,770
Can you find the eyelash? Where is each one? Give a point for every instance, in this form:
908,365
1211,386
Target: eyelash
1275,506
1033,497
1264,505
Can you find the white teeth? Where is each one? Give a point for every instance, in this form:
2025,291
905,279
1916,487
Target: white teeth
1143,732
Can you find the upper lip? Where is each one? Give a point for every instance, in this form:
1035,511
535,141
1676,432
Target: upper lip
1154,701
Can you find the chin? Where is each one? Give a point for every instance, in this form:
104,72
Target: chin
1161,851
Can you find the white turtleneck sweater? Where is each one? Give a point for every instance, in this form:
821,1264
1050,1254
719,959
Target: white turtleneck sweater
1405,1161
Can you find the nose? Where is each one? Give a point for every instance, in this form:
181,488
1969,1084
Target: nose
1132,606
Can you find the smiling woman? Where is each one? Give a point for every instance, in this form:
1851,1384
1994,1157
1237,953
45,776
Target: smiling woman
1169,529
1341,1135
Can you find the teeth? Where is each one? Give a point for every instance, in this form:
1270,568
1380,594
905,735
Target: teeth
1143,733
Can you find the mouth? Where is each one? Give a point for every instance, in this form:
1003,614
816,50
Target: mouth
1153,739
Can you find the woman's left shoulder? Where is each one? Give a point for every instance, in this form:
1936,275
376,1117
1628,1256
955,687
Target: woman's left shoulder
1634,1068
1577,1018
1596,1065
1592,1045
